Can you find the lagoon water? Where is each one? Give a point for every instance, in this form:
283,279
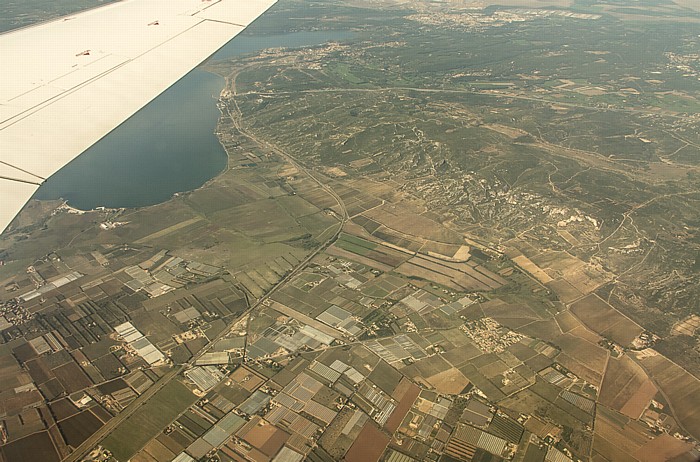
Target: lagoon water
168,146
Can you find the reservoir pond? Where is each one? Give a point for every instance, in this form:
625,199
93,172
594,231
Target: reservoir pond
169,146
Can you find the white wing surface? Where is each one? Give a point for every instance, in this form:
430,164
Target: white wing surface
66,83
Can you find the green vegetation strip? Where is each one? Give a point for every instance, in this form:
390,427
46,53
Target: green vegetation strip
149,420
355,244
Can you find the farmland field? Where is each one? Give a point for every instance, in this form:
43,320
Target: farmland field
626,388
682,389
605,320
30,449
151,418
478,204
617,438
566,321
78,428
368,446
664,447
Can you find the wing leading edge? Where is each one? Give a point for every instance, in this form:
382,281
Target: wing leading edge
69,82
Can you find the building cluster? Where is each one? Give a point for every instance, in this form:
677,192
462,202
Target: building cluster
490,336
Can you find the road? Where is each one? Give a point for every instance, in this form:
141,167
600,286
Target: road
287,311
82,450
492,94
89,444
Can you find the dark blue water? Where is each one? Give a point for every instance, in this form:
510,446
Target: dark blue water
168,146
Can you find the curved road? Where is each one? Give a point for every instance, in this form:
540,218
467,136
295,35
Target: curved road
89,444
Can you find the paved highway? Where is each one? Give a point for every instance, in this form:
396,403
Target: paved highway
112,424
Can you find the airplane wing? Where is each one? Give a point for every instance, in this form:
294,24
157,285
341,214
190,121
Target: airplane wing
66,83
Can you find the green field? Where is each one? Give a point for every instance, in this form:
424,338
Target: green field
355,244
164,407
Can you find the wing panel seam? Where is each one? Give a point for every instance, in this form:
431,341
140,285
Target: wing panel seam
17,180
6,123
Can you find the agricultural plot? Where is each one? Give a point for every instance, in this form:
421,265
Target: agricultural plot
617,437
254,221
394,350
31,448
368,446
376,189
460,355
580,368
400,219
566,182
338,252
383,286
457,276
356,202
662,448
688,326
307,303
605,320
369,225
450,381
419,301
529,356
587,279
451,252
79,427
556,263
546,329
507,314
315,195
681,388
566,321
369,253
584,358
564,290
480,381
427,413
210,201
536,272
538,362
129,437
271,338
355,245
503,426
535,397
155,450
626,387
